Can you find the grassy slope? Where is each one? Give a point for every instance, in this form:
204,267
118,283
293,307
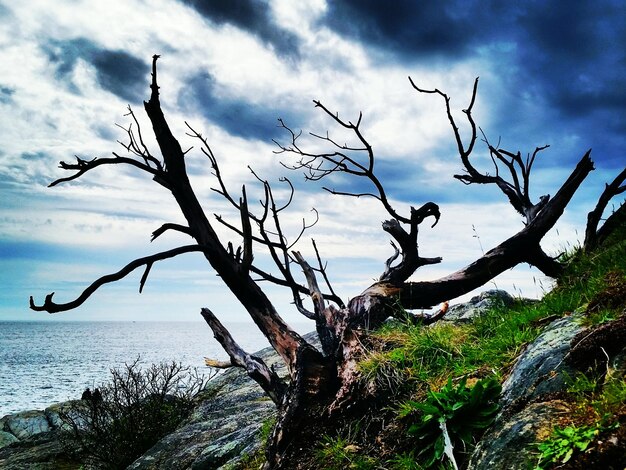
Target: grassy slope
405,362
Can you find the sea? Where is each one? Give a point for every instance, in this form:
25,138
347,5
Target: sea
42,363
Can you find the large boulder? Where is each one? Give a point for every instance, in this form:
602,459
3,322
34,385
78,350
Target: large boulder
529,407
29,440
478,305
509,443
25,424
541,369
40,452
7,438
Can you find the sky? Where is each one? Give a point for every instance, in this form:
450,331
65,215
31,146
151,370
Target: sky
550,73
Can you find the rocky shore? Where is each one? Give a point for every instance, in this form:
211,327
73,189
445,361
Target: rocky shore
225,425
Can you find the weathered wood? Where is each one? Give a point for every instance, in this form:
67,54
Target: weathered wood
283,338
269,381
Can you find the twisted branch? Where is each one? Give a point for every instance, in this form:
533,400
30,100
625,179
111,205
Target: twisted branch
51,307
516,191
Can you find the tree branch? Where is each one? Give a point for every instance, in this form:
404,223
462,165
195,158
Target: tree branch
83,166
593,236
138,148
52,307
314,290
517,190
324,164
521,247
254,366
411,260
169,226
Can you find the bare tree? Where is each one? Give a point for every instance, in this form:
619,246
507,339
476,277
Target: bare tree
323,385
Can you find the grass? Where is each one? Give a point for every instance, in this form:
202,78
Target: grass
337,453
257,459
428,356
425,358
413,360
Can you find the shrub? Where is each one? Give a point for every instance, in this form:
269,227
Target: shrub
135,410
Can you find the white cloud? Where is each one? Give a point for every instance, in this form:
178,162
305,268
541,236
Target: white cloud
117,208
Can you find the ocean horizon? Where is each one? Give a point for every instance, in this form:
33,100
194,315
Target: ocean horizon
46,362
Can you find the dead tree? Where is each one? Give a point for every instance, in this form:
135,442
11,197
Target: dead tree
323,384
595,236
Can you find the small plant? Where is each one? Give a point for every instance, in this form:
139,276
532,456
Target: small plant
130,414
562,444
338,454
455,415
599,317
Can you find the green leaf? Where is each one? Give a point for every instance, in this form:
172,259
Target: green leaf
458,405
568,455
440,445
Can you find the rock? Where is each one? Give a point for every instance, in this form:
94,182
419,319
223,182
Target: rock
54,412
39,452
25,424
541,369
227,450
528,408
509,443
224,426
28,440
7,438
478,305
201,443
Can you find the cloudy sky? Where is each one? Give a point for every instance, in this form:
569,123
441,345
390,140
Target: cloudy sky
550,73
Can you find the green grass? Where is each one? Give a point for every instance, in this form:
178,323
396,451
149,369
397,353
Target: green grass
420,356
337,453
412,360
425,357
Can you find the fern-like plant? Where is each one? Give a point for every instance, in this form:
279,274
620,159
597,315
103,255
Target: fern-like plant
454,416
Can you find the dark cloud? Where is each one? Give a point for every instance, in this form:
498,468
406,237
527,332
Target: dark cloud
416,30
237,117
577,54
117,71
253,16
571,57
6,94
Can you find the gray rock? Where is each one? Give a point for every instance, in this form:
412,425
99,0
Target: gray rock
7,438
541,368
225,451
538,372
40,452
478,305
224,426
509,443
69,410
25,424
